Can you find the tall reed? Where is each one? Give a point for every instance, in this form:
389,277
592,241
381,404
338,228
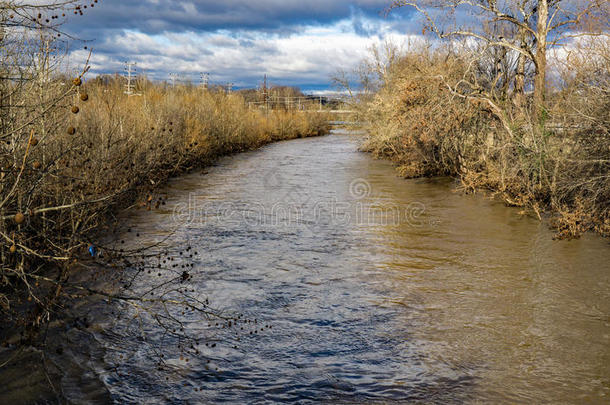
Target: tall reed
68,169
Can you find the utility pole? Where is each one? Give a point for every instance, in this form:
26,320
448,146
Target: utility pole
43,63
265,94
205,80
131,68
172,77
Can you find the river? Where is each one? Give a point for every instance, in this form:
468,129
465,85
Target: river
365,288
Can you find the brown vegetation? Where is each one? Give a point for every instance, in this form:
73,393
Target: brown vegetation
73,152
418,121
66,169
461,108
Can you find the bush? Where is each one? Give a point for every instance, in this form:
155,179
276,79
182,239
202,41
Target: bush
429,125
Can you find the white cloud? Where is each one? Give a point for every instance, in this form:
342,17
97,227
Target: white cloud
311,56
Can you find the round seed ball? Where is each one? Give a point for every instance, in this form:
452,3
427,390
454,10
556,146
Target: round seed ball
13,249
75,109
34,141
84,96
77,81
36,165
71,131
19,218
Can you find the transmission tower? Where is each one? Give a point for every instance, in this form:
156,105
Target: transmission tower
44,63
131,69
173,77
265,94
229,88
205,80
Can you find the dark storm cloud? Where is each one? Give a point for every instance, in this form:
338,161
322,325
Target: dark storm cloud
279,16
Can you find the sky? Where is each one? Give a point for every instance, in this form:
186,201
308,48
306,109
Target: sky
295,42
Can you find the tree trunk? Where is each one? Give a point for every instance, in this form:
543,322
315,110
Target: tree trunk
540,78
520,74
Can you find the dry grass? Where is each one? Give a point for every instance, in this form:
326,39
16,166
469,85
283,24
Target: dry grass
65,170
418,120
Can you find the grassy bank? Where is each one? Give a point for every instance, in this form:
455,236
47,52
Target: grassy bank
86,150
430,120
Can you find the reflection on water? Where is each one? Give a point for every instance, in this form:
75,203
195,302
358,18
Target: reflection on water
376,289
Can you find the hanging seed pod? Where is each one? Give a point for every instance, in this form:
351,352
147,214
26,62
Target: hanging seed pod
36,165
19,218
34,141
77,81
84,96
71,130
13,249
75,109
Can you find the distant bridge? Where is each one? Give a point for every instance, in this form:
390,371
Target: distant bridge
330,111
308,104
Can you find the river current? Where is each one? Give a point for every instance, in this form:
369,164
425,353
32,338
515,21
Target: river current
358,287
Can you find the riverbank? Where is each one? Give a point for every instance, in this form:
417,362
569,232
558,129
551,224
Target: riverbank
70,169
559,168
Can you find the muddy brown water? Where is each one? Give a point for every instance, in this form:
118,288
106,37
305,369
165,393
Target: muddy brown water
378,290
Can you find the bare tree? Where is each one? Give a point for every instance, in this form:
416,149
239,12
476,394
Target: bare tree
537,26
35,101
